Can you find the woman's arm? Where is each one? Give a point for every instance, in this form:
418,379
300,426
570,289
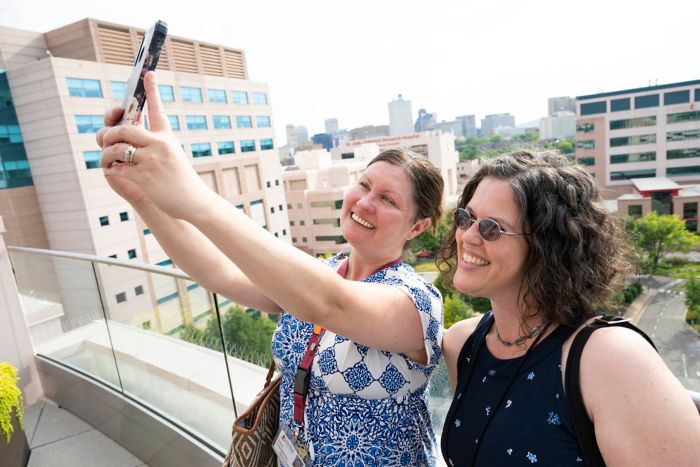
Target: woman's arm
452,343
375,315
641,413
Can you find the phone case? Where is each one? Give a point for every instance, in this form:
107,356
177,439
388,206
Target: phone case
146,60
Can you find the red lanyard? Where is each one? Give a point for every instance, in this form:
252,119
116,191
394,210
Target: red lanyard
301,382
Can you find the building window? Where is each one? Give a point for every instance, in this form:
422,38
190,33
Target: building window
338,239
591,108
304,240
166,93
272,209
259,98
299,206
634,210
302,223
191,94
217,96
682,135
294,239
88,123
644,102
147,231
618,105
268,184
581,128
266,144
166,262
334,222
222,122
118,89
587,144
291,223
243,121
10,134
628,174
104,220
121,297
277,234
683,117
196,122
634,157
113,256
84,87
690,215
174,122
677,97
240,97
124,216
347,155
201,149
680,171
138,290
247,145
587,161
277,182
225,147
632,123
131,254
262,121
281,208
284,231
289,206
682,153
630,140
92,159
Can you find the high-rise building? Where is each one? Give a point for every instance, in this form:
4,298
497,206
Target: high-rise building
560,126
52,191
297,135
400,116
426,121
491,123
468,124
625,136
324,139
561,104
331,126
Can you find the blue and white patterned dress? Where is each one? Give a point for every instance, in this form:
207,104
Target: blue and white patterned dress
365,407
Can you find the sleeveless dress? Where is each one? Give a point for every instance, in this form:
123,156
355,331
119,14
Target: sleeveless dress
533,423
364,407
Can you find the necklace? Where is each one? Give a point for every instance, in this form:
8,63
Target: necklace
520,340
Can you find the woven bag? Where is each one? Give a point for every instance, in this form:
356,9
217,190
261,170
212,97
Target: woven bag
254,431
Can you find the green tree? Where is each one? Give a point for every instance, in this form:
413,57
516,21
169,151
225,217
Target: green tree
657,235
566,146
456,309
692,302
247,334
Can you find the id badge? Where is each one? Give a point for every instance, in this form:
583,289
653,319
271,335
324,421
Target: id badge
290,453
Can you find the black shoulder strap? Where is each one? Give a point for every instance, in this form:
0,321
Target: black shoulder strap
464,366
585,432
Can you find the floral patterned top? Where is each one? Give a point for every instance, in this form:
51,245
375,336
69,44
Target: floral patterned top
365,407
532,425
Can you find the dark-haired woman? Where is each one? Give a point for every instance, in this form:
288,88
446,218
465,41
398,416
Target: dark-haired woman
531,234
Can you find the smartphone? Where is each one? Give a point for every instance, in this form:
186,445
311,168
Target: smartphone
146,60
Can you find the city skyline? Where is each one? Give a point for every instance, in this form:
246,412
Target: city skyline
451,59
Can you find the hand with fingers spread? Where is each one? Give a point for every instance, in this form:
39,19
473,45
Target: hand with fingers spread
158,167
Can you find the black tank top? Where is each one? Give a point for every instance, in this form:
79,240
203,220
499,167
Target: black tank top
532,425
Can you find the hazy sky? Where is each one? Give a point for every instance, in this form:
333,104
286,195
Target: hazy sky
348,59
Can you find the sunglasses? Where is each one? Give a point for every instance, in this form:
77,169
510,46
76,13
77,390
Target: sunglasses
488,228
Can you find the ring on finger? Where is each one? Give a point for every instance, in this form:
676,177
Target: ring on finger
129,154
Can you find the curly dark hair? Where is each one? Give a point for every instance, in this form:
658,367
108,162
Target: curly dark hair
578,254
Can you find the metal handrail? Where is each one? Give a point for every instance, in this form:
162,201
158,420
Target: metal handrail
139,266
696,398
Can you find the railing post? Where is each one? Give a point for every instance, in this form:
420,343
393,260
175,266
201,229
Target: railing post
15,343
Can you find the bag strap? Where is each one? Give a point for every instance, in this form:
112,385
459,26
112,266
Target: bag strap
583,426
270,372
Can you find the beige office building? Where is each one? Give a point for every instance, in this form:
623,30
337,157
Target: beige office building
60,84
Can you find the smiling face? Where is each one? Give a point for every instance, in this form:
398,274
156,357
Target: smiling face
492,269
378,214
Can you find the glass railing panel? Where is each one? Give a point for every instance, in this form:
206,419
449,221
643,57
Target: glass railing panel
64,313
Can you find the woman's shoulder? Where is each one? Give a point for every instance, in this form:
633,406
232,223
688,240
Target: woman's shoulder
456,335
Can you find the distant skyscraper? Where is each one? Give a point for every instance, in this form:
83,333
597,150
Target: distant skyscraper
468,124
297,135
400,116
331,125
426,121
561,104
324,139
491,122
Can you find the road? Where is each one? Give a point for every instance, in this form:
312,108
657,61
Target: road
662,319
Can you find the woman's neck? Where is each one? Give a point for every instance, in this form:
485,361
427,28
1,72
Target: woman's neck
515,329
361,266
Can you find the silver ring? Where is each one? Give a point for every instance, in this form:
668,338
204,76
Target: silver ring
129,153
